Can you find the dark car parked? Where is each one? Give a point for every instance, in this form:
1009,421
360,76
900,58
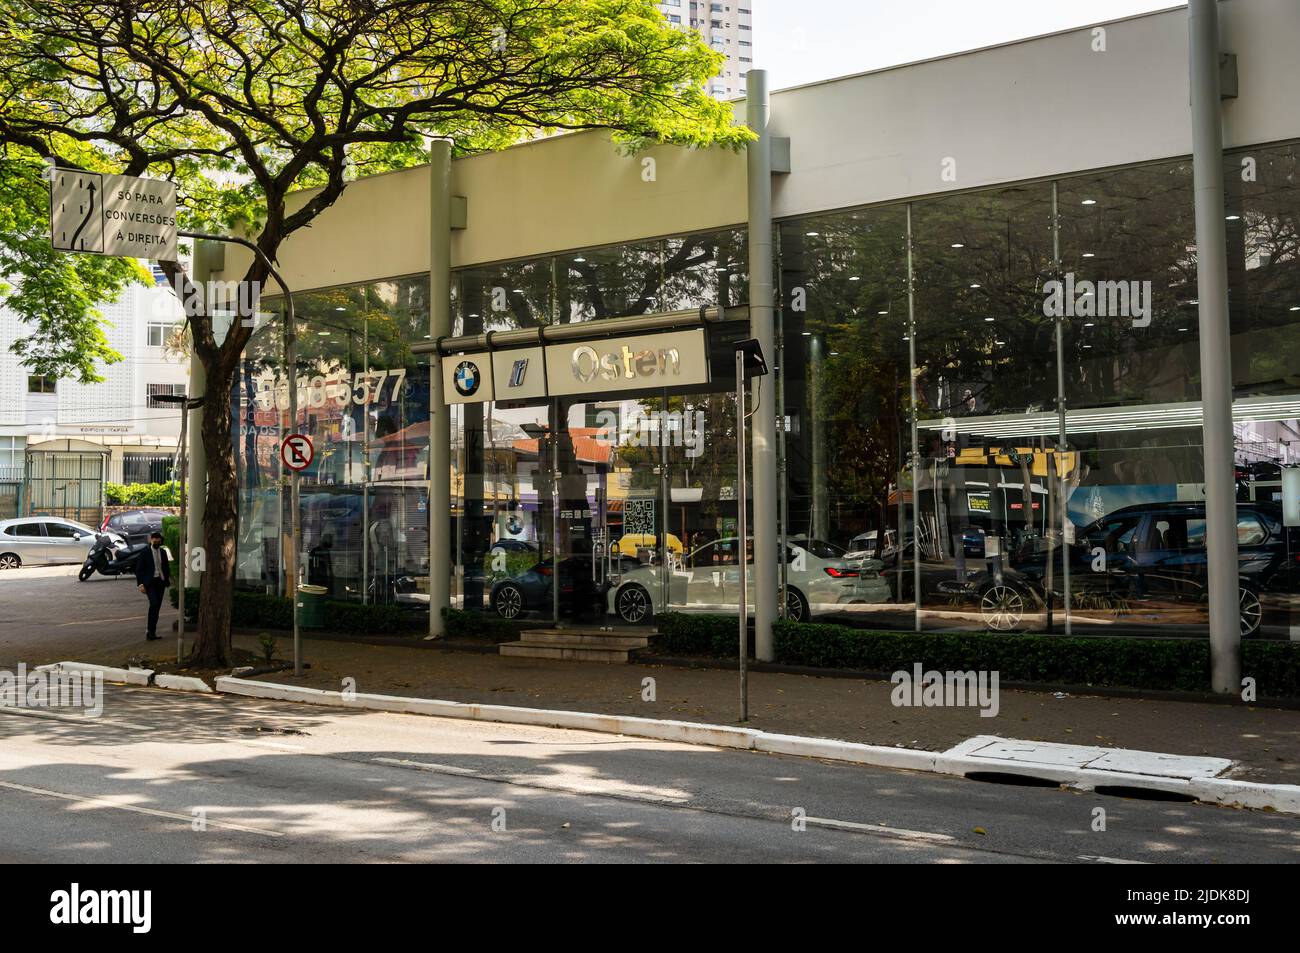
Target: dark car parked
1151,552
532,589
135,525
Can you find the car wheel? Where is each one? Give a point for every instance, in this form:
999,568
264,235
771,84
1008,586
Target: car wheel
633,604
796,606
1002,607
1252,613
508,601
86,573
9,561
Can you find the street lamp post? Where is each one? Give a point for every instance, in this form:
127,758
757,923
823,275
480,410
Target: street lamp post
187,404
749,364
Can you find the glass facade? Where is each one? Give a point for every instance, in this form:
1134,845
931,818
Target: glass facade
988,404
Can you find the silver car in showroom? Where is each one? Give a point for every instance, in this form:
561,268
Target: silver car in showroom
43,541
818,579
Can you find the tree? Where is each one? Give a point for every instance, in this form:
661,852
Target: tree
241,102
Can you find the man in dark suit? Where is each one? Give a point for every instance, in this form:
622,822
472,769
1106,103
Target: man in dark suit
153,574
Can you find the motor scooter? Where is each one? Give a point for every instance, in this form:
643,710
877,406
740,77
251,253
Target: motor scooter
110,556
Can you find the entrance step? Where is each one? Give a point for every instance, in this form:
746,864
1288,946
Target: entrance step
579,645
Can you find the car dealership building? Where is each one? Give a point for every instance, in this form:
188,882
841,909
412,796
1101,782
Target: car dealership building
976,283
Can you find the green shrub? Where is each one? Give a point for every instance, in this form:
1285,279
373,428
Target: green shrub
467,624
712,636
142,494
1158,664
276,612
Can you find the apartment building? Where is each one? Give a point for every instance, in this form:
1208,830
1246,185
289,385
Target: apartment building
726,26
61,440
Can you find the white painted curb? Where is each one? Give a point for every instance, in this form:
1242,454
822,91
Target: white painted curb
182,683
1278,797
127,676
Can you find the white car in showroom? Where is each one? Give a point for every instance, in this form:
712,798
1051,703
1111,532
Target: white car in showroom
818,579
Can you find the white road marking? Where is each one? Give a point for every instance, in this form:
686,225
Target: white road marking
877,829
278,745
1098,859
135,809
79,719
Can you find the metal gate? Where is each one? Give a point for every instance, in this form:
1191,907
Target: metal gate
9,499
68,483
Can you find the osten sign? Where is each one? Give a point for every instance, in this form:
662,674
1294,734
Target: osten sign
645,362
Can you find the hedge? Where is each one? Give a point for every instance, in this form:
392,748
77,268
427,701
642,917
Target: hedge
259,610
1158,664
142,494
467,624
712,636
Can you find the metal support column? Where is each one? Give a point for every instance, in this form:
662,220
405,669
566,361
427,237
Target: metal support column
439,415
762,317
1216,362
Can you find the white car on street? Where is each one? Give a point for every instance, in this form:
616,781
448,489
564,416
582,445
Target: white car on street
44,541
818,579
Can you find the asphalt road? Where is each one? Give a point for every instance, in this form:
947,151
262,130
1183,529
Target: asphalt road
46,612
277,782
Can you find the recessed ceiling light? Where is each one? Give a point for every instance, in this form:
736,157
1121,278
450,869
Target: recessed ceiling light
812,234
957,245
1088,202
976,285
1089,254
1233,218
988,319
854,278
1294,308
1182,329
517,291
882,312
1089,325
579,259
340,308
806,333
1087,347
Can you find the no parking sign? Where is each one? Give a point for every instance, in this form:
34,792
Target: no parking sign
296,451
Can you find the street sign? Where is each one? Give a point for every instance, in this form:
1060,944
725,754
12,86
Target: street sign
119,215
296,451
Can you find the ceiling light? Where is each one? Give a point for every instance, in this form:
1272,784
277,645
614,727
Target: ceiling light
812,234
579,259
835,353
1089,325
1233,218
1088,202
340,308
517,291
1295,307
976,285
322,334
806,333
882,312
957,245
1087,347
1182,329
988,319
1089,254
854,278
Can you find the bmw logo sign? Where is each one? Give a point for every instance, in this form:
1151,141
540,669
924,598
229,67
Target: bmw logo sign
467,378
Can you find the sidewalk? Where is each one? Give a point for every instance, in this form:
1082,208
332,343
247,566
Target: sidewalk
1266,742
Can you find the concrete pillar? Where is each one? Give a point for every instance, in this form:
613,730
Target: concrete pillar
1216,360
196,487
821,503
439,415
762,318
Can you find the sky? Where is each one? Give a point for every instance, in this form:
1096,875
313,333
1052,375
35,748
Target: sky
803,41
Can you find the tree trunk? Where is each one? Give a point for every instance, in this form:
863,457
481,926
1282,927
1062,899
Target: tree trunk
212,644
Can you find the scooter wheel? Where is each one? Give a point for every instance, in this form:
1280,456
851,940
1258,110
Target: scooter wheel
86,573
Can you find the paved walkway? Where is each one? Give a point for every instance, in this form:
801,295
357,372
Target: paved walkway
102,621
1265,741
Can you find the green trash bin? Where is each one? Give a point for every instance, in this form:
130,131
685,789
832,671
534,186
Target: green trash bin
311,607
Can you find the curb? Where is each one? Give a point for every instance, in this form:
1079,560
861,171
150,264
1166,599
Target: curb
126,676
1284,798
183,683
